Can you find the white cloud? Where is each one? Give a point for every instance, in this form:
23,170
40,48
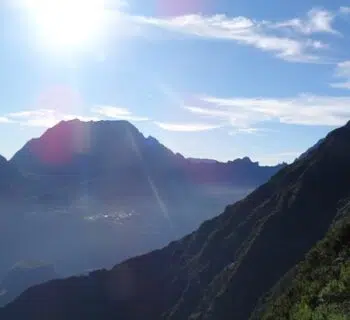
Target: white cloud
342,71
48,117
250,130
317,21
263,35
34,118
341,85
31,113
5,120
117,113
289,40
45,123
45,118
245,113
186,127
344,10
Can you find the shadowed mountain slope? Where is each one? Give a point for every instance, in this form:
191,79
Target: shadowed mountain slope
318,287
221,270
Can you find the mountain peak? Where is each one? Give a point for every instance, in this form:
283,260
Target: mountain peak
3,160
76,121
246,160
243,161
68,140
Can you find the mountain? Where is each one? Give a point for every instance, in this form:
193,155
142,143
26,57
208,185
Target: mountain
200,160
222,270
3,173
318,287
9,178
22,276
3,162
96,193
82,151
239,172
310,150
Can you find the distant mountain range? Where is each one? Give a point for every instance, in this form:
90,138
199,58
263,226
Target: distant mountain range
87,195
226,268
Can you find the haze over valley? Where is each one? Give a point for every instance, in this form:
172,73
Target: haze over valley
86,195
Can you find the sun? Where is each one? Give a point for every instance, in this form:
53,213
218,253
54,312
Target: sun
67,24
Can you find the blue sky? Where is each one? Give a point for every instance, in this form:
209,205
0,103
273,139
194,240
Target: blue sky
211,79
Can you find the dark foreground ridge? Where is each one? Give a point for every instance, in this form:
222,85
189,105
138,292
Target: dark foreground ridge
224,268
318,287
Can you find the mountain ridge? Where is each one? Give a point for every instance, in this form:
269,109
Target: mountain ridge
105,184
212,273
66,128
318,287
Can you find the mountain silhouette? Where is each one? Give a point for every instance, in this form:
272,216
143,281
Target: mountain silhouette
222,270
22,276
9,180
91,194
4,169
116,149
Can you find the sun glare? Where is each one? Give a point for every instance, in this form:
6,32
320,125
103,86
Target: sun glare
67,24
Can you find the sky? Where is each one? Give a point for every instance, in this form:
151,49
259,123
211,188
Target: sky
210,79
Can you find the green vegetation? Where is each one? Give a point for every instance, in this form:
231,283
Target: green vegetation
321,288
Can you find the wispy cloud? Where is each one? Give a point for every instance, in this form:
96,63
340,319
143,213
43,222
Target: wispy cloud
291,40
34,118
342,71
31,113
341,85
317,21
186,127
245,113
264,35
344,10
5,120
250,131
48,117
43,118
117,113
